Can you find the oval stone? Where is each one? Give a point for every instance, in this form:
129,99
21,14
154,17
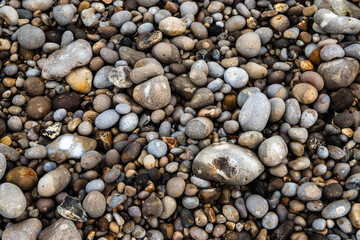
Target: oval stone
255,113
227,163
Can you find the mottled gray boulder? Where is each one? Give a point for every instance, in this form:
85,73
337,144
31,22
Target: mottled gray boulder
339,7
339,73
255,113
227,163
28,229
61,62
61,229
335,24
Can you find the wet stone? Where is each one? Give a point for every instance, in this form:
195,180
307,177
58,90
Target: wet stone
71,208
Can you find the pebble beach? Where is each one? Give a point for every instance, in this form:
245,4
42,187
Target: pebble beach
177,119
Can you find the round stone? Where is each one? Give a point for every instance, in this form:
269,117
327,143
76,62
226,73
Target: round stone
157,148
199,128
172,26
38,107
309,192
175,187
13,202
248,45
107,119
30,37
236,77
128,122
94,204
257,205
273,151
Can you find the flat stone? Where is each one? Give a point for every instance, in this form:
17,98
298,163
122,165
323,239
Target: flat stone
227,163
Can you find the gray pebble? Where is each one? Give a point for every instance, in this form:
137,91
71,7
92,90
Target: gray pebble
95,185
157,148
128,122
2,165
336,209
119,18
319,224
107,119
59,114
257,205
331,51
199,128
309,192
101,79
236,77
270,221
13,202
255,113
289,189
36,152
63,14
273,151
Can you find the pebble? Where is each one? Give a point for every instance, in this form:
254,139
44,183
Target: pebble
28,229
80,80
236,77
69,146
61,228
336,209
107,119
248,45
305,93
10,15
331,51
270,220
199,128
226,162
332,23
94,204
172,26
61,62
90,159
255,113
157,148
257,205
175,187
33,5
128,122
13,201
2,165
63,14
153,94
273,151
30,37
38,107
53,182
329,71
309,192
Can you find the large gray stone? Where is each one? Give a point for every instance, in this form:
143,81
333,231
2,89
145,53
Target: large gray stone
227,163
332,23
339,73
61,62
